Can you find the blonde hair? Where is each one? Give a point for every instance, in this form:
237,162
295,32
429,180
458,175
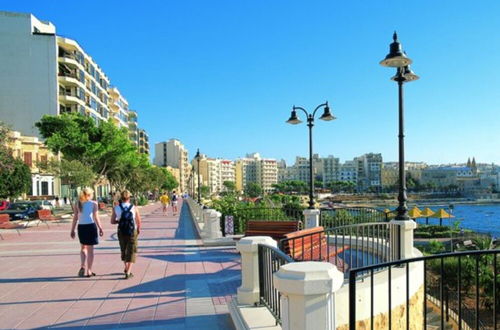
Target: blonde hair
84,196
125,195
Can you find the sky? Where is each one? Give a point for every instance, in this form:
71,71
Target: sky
223,75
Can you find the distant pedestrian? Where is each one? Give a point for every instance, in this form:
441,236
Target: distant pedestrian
174,202
164,201
57,201
65,200
85,214
127,216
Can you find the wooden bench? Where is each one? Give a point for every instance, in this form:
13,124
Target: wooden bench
311,245
275,229
45,216
6,224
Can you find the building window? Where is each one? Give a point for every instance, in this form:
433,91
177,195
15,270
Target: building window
45,188
28,158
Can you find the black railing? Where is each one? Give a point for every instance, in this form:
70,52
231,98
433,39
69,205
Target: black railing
270,261
347,247
459,290
242,216
337,217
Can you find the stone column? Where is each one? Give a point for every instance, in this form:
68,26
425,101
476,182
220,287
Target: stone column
307,294
406,228
311,218
248,292
211,220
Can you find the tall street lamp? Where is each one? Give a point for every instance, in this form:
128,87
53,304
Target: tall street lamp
294,120
199,186
398,59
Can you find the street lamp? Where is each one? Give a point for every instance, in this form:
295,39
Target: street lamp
294,120
398,59
199,186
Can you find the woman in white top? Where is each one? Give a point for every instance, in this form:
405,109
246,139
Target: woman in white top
85,214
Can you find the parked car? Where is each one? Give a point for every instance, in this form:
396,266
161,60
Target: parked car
21,210
4,205
44,205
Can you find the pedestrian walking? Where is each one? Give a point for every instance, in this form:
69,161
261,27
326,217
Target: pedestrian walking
174,202
127,216
85,214
164,201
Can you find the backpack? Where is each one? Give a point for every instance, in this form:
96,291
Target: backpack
174,198
126,225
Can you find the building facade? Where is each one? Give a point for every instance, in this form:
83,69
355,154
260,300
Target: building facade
32,151
47,74
255,169
173,153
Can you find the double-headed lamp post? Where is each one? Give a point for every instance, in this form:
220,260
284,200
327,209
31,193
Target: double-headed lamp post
199,186
294,120
398,59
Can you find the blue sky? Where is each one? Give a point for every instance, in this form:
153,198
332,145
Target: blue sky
223,75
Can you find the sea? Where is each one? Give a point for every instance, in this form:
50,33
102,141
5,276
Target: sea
483,218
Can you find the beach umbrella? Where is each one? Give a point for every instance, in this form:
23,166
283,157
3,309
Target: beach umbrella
389,214
442,214
415,213
426,213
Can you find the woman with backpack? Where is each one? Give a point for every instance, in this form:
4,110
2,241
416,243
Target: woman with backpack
127,216
85,214
174,202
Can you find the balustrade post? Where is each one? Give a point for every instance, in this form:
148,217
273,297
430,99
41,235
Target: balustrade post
311,218
211,220
248,292
308,294
405,238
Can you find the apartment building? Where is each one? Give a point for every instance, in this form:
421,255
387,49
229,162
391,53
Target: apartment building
329,169
254,168
31,150
143,141
369,172
173,153
227,172
47,74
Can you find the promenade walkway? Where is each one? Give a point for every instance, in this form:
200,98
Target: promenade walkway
178,284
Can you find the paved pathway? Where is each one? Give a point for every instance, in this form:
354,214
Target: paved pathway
177,285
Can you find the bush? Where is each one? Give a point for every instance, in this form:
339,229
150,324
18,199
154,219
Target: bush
141,201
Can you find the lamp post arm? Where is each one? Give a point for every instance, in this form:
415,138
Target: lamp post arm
319,107
300,108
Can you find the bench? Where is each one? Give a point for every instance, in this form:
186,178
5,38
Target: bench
311,245
45,216
6,224
275,229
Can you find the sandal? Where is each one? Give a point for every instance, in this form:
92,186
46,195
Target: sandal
127,276
81,272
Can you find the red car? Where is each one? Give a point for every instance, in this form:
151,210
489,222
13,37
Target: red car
4,205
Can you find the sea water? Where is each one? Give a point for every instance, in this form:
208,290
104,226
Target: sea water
483,218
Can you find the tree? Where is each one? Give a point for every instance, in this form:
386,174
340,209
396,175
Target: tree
71,172
15,176
168,180
15,179
253,190
229,185
205,191
104,147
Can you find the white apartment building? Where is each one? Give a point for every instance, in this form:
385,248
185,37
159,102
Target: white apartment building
254,168
227,172
173,153
349,171
47,74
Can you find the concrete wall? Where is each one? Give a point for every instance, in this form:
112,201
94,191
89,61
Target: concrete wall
28,76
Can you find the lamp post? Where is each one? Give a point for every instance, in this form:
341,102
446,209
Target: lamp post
398,59
294,120
199,186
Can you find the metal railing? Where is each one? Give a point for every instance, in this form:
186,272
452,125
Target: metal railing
347,247
337,217
460,289
242,216
270,261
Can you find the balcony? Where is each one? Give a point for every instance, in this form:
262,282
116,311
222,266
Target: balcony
69,60
70,99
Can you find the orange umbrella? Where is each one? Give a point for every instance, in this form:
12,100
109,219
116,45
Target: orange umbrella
426,213
442,214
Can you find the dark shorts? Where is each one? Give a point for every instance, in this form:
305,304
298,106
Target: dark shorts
128,246
87,234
